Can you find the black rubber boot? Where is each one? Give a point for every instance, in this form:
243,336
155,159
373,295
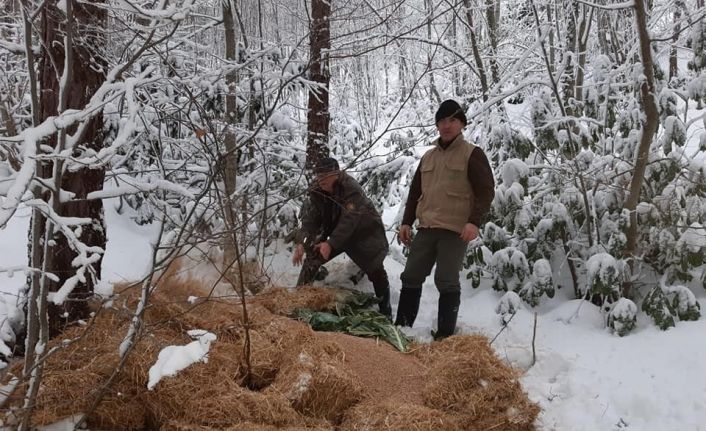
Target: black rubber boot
382,290
385,308
447,314
408,306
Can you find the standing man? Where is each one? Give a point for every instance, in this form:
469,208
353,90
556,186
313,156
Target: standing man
450,196
339,218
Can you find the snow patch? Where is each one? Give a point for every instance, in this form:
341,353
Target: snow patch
173,359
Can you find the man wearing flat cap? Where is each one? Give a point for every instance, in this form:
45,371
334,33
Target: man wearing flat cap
339,218
449,197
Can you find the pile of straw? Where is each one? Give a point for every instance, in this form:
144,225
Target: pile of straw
467,379
298,381
391,416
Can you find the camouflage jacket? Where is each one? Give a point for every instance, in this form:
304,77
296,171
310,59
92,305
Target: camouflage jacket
346,218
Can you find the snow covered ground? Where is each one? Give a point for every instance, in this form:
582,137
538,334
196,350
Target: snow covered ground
584,377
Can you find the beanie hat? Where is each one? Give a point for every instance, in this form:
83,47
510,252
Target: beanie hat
450,108
326,165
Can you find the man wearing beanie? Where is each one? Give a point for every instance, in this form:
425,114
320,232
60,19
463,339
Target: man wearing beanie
339,218
450,196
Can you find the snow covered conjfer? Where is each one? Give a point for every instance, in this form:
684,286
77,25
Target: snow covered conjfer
339,218
450,196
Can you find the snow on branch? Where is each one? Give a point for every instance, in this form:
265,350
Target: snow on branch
137,186
615,6
169,13
16,48
128,126
56,218
10,271
30,137
23,179
85,255
70,284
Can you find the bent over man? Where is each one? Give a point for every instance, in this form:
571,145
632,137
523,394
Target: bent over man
450,196
339,218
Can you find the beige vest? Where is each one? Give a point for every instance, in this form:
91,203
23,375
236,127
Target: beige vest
447,195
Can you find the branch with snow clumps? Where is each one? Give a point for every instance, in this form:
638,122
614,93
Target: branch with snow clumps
19,190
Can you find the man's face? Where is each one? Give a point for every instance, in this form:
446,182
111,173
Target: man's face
449,128
327,180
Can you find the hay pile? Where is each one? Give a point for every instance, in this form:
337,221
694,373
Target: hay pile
468,380
299,380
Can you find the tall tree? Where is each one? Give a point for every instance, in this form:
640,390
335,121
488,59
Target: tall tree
9,10
673,68
492,8
476,52
568,79
583,33
649,127
71,68
230,165
318,116
435,98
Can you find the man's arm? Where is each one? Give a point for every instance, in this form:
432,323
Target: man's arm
415,191
481,178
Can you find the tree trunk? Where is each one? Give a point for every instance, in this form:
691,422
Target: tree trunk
10,11
491,17
552,54
649,127
318,110
673,68
84,81
230,165
584,31
476,52
455,79
432,86
568,79
402,73
36,228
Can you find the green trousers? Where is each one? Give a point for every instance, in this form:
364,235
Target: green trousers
446,249
442,247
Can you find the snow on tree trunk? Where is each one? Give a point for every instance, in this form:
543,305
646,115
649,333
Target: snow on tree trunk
86,64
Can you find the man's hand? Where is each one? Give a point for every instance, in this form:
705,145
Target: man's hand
405,234
298,255
469,232
324,249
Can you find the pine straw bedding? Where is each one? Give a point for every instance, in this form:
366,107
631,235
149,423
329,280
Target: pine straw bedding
299,381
